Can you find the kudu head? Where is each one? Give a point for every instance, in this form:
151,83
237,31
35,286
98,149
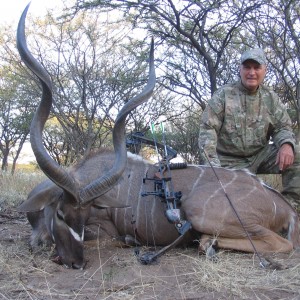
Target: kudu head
69,209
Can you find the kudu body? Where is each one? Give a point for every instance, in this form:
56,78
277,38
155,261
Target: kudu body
60,207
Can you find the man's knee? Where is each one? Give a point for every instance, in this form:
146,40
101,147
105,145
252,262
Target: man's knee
291,181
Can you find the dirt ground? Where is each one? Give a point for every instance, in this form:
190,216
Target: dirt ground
115,273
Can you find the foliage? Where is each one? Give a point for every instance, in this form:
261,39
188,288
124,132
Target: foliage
200,42
279,34
16,103
183,136
91,82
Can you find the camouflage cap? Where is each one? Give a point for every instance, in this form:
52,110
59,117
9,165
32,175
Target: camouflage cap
254,54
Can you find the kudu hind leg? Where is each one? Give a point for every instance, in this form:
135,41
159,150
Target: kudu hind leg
269,242
266,241
293,233
208,246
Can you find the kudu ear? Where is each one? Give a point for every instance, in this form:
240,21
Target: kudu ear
42,195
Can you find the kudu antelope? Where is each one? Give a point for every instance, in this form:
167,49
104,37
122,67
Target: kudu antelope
59,208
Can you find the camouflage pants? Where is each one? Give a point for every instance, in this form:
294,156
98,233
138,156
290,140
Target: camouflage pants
264,163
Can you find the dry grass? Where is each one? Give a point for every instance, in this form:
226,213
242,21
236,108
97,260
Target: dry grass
181,274
273,180
242,276
15,188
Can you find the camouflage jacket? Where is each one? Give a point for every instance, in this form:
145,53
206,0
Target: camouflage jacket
239,123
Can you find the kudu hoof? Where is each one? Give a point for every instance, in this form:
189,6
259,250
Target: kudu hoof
148,258
210,248
269,263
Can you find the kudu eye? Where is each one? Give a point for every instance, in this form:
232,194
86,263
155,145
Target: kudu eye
60,215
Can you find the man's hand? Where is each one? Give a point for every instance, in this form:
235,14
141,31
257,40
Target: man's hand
285,156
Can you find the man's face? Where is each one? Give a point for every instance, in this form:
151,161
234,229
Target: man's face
252,74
